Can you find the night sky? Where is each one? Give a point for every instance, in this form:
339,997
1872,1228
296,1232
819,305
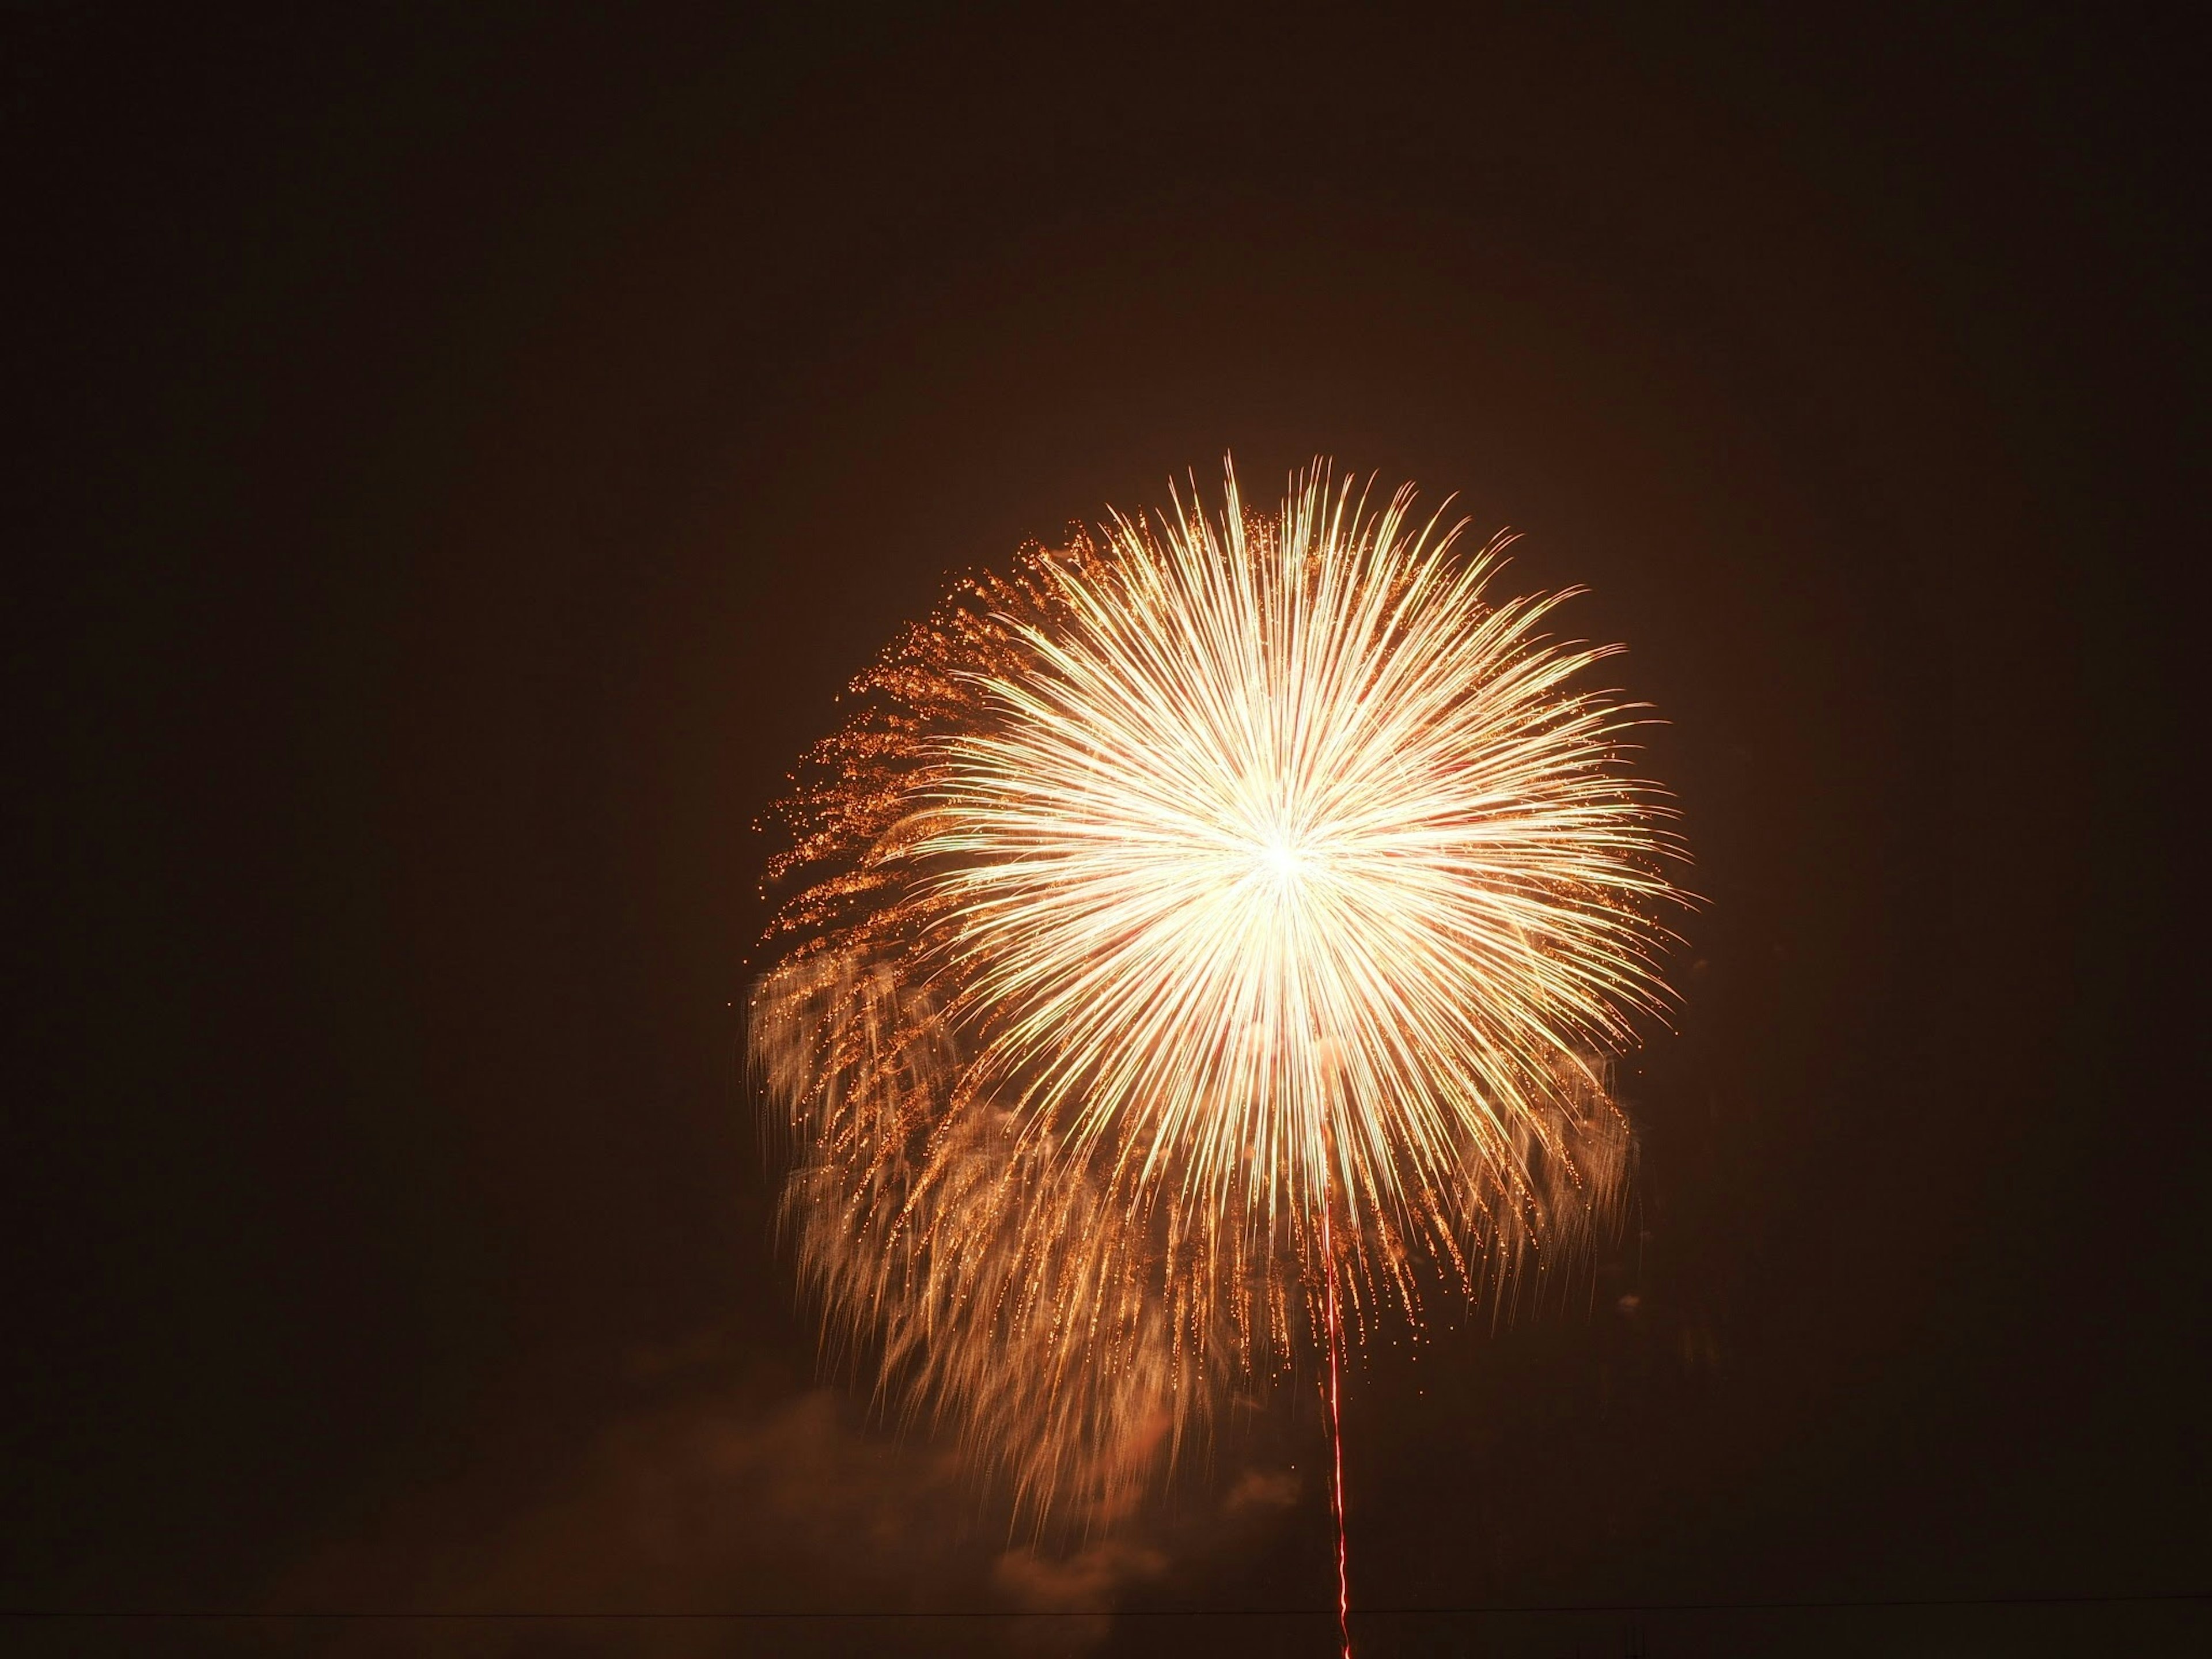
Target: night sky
458,457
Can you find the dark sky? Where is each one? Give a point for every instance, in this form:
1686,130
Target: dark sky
458,458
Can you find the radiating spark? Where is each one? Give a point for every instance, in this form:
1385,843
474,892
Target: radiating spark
1187,884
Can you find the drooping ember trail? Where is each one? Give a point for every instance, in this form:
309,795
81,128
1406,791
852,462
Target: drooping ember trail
1209,919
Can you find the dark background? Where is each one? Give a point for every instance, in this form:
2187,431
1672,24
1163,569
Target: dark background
457,459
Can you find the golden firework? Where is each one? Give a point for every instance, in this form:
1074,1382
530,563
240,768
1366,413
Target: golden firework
1208,917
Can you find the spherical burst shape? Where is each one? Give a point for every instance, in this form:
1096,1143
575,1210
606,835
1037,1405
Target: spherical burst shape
1207,914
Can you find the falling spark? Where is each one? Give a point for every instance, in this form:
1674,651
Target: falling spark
1189,883
1336,1440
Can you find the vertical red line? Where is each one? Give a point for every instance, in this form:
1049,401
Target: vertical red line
1336,1429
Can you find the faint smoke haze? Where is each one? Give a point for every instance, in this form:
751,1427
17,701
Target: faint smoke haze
725,1501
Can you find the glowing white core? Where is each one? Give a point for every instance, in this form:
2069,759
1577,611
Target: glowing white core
1283,860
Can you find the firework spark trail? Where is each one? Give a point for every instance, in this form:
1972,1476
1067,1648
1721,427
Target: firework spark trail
1336,1439
1162,897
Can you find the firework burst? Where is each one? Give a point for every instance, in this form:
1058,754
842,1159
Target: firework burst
1211,919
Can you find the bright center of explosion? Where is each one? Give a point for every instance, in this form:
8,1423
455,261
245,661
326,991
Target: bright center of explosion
1284,862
